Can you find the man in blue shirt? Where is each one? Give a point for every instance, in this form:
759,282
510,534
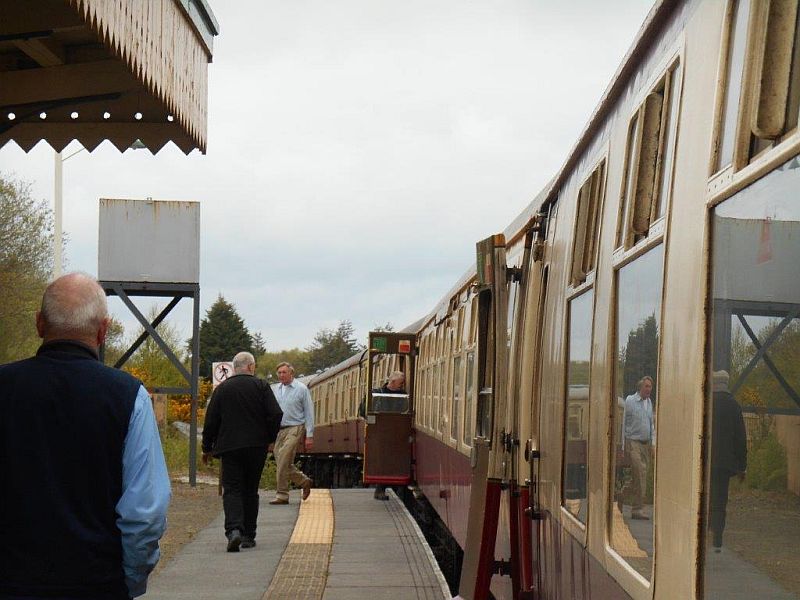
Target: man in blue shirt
639,430
298,415
83,484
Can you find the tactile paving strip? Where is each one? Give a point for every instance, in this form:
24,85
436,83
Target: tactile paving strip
303,570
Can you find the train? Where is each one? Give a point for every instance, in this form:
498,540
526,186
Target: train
564,420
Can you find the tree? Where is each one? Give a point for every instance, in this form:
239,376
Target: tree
640,355
387,327
26,264
267,363
114,344
259,345
331,347
222,335
151,364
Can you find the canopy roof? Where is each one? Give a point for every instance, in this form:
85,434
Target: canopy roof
95,70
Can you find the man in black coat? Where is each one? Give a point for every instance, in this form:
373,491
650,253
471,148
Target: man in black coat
728,451
242,420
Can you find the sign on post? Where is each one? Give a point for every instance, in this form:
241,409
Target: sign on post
220,371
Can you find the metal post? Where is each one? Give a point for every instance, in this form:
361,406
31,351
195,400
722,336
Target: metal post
57,214
194,386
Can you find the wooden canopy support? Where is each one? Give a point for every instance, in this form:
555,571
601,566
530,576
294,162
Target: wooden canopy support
93,70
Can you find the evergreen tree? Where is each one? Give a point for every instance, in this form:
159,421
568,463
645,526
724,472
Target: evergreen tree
331,347
640,356
259,345
222,335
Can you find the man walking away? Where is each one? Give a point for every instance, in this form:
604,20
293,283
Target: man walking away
83,484
242,420
298,414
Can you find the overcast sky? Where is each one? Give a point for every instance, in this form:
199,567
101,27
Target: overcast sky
358,149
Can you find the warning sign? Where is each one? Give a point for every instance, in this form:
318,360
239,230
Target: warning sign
220,371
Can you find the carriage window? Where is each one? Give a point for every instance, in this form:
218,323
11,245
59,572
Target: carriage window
651,142
435,400
456,397
753,469
733,89
634,405
762,103
574,496
584,250
469,398
442,416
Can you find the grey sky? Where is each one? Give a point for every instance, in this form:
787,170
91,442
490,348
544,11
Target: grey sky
358,149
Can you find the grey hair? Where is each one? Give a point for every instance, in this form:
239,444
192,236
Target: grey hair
285,364
396,375
242,360
74,303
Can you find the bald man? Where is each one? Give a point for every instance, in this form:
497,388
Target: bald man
242,420
83,484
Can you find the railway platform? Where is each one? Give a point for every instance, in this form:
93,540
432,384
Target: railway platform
337,544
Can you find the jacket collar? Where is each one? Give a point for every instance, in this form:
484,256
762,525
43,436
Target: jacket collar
78,349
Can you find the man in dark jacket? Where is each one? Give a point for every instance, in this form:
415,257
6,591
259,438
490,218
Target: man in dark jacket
83,484
242,420
728,451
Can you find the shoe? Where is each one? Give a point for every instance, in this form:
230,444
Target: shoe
639,516
306,487
717,549
234,540
280,501
380,494
248,542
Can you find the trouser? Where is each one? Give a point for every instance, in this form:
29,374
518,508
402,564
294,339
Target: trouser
638,457
720,480
241,473
284,450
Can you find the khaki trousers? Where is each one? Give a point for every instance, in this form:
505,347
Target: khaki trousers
284,450
639,457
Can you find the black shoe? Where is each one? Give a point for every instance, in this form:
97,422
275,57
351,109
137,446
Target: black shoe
248,542
234,540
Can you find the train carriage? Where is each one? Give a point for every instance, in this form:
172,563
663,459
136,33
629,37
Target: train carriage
587,392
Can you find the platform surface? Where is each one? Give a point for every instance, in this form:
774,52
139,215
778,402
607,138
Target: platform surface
338,544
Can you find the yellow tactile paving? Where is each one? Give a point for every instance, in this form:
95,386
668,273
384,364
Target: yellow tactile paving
303,570
621,538
315,521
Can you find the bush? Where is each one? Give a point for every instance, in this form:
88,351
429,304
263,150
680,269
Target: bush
766,464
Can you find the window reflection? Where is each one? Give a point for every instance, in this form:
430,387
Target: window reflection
456,397
753,475
638,323
577,413
468,398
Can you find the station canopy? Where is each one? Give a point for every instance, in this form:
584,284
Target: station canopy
95,70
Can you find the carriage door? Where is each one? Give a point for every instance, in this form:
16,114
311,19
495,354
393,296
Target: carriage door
487,451
389,418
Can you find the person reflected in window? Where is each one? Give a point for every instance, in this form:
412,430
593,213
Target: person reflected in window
639,434
728,451
396,384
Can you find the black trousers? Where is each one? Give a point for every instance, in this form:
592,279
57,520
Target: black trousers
241,472
720,481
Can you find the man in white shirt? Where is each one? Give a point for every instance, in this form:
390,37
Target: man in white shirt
639,432
298,419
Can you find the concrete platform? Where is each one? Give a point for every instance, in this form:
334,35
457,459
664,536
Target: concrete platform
338,544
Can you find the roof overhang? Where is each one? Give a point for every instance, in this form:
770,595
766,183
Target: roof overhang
95,70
